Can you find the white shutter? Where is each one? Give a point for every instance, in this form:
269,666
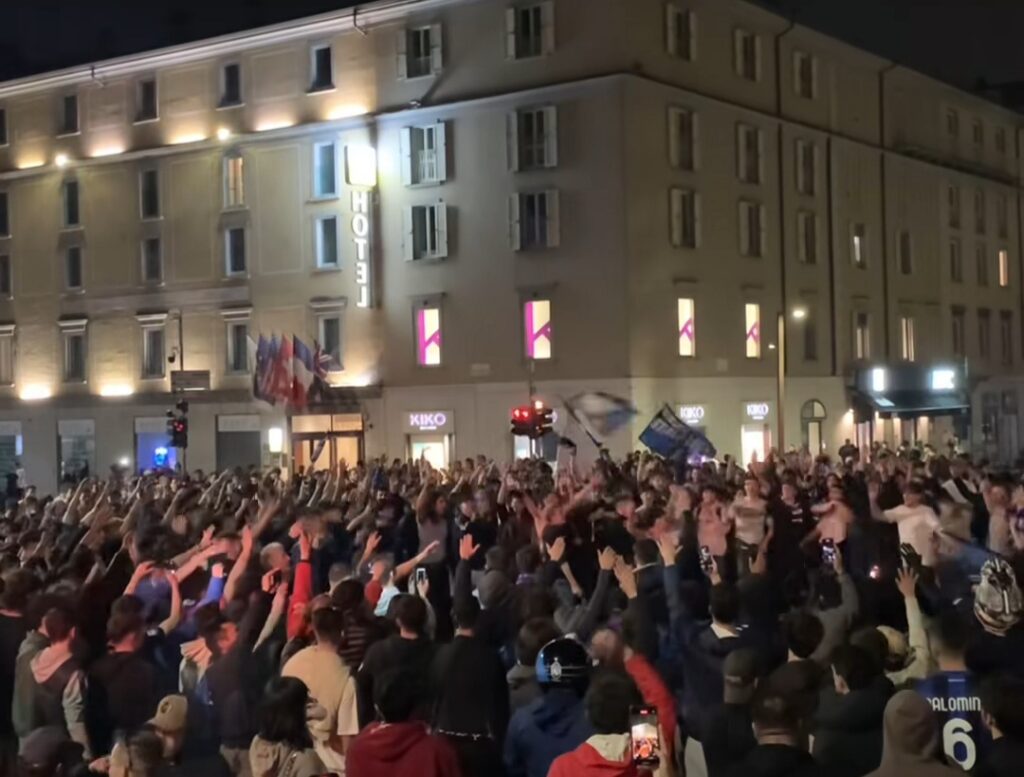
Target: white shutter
695,140
674,115
436,49
675,206
760,154
551,206
763,225
547,27
692,27
401,52
407,237
551,136
510,33
744,230
441,227
757,57
514,236
441,145
405,147
512,134
696,219
671,43
737,51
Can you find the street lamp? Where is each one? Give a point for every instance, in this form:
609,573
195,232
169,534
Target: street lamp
798,314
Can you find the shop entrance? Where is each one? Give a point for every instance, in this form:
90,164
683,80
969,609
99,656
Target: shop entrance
433,448
756,441
322,441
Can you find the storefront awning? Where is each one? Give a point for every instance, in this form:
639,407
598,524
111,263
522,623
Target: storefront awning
908,404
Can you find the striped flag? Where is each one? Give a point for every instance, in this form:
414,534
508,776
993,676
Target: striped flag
302,372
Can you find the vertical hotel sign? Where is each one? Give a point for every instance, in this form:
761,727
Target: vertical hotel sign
361,174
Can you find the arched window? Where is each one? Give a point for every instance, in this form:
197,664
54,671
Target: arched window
811,415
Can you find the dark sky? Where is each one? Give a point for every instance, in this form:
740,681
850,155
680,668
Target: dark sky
955,40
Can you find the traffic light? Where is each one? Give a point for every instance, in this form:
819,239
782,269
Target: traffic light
177,425
522,421
533,421
544,418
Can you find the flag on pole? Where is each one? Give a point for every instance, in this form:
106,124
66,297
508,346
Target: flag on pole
281,384
265,372
600,414
302,372
667,435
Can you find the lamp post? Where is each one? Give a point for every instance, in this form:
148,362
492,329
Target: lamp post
799,314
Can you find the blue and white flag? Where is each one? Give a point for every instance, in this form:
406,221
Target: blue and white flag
667,435
600,414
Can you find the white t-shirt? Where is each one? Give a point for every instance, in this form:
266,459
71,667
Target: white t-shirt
916,526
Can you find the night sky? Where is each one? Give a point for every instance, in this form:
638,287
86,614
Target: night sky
958,41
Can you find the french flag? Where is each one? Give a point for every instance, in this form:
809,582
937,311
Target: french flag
303,372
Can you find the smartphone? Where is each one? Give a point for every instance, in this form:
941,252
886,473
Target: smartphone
421,575
707,562
828,552
875,572
644,736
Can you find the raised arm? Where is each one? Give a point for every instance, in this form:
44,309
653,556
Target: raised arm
240,565
171,622
303,587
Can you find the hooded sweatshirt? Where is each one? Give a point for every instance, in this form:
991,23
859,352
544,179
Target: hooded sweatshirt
601,756
911,733
400,750
848,730
522,686
55,691
551,726
280,759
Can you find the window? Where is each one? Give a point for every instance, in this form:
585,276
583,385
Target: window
6,286
67,123
749,146
958,332
3,127
1000,140
7,357
74,275
238,346
533,138
906,255
1002,216
321,68
687,327
807,235
145,100
537,323
330,339
234,250
533,220
861,335
810,337
325,169
152,260
981,263
530,31
1004,268
805,75
428,336
230,85
682,139
234,181
952,123
953,206
1006,336
685,206
978,133
753,226
859,245
426,232
680,32
752,313
74,356
984,333
153,361
806,166
72,215
747,55
419,52
956,261
327,242
5,220
424,154
149,194
907,338
979,212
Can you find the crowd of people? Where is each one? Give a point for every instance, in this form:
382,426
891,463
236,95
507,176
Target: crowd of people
790,617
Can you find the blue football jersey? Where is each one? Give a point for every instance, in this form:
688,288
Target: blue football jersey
955,699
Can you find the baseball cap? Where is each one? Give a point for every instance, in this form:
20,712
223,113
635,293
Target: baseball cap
171,714
739,670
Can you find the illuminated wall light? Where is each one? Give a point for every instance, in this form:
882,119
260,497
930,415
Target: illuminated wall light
361,166
223,133
347,111
188,137
61,160
108,151
117,390
124,462
30,163
879,379
274,124
35,391
275,439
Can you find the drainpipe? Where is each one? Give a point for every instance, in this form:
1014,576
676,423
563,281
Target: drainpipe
780,391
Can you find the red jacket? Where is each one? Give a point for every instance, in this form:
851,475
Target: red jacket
400,750
585,761
653,689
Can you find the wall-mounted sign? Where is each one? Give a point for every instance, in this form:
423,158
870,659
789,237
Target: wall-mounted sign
190,380
692,414
361,237
429,421
757,411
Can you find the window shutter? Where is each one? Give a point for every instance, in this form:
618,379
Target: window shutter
741,152
441,226
401,44
547,27
675,206
763,226
514,236
692,27
671,42
405,146
696,219
510,33
695,139
760,154
551,136
436,48
744,231
801,236
814,78
408,242
551,205
737,51
512,133
757,57
441,143
674,122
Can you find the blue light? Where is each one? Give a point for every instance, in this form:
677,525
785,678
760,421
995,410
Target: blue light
160,457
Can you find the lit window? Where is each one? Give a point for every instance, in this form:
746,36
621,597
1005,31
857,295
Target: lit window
530,30
687,328
907,338
879,379
325,169
680,32
943,380
533,138
152,261
424,154
1004,267
747,55
426,232
321,68
419,52
145,100
330,339
428,337
234,181
753,330
537,321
